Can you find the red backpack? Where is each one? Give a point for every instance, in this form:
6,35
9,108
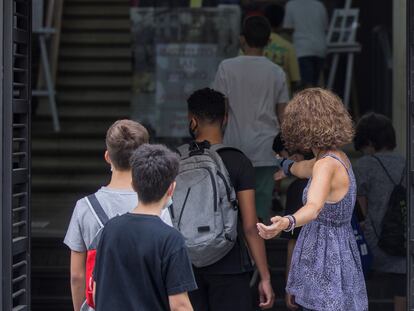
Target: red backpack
102,219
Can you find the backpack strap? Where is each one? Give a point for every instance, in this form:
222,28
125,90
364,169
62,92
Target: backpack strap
334,156
221,147
183,150
386,171
97,210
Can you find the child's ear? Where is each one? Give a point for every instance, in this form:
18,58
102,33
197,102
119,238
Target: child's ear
171,189
107,158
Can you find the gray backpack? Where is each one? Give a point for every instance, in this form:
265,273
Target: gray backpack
205,208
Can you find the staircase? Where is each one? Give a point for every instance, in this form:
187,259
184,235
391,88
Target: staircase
93,90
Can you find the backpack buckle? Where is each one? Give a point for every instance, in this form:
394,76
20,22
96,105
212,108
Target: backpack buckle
235,205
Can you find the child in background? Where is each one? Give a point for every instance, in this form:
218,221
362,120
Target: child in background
279,50
377,173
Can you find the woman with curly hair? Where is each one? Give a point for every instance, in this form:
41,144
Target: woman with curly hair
326,272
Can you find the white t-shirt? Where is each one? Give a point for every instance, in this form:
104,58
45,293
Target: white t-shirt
254,86
309,20
83,226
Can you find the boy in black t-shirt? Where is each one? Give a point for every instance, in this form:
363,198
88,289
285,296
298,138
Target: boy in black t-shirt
224,285
142,263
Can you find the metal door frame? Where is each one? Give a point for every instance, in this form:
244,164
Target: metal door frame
15,115
410,153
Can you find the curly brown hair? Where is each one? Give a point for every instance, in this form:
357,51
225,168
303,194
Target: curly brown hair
316,118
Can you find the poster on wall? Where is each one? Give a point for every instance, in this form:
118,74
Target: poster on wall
180,69
175,52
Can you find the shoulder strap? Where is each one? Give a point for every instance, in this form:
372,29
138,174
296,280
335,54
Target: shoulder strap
183,150
97,210
334,156
221,147
385,170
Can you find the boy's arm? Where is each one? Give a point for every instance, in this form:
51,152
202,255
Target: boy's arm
280,111
290,302
256,246
282,97
180,302
77,278
220,83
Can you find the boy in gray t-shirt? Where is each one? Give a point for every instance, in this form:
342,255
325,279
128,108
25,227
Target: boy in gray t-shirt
117,198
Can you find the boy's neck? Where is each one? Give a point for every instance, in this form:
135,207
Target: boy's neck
149,209
212,134
121,180
249,51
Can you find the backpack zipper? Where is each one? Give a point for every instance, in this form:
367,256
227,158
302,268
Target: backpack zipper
220,174
212,182
182,209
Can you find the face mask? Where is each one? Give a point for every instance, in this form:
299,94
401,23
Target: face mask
168,204
223,127
190,130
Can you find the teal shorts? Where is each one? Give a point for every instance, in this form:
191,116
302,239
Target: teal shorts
264,191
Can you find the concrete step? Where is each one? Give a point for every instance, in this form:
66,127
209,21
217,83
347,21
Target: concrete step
94,82
86,97
97,2
97,25
81,129
78,10
110,53
76,146
75,182
62,165
96,38
89,112
59,201
95,67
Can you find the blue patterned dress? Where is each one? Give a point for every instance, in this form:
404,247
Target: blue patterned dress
326,272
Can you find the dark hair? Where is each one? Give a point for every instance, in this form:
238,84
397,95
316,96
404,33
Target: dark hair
279,146
375,129
154,169
275,14
122,139
207,105
256,31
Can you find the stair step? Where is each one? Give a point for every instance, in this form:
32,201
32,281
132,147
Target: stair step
86,97
96,38
92,68
98,53
76,146
110,25
88,112
93,11
46,165
97,2
74,182
94,82
50,203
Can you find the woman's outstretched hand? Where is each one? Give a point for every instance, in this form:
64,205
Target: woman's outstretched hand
278,225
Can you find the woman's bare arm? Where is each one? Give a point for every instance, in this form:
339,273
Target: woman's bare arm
303,169
323,172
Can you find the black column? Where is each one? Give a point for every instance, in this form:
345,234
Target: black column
15,99
410,150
